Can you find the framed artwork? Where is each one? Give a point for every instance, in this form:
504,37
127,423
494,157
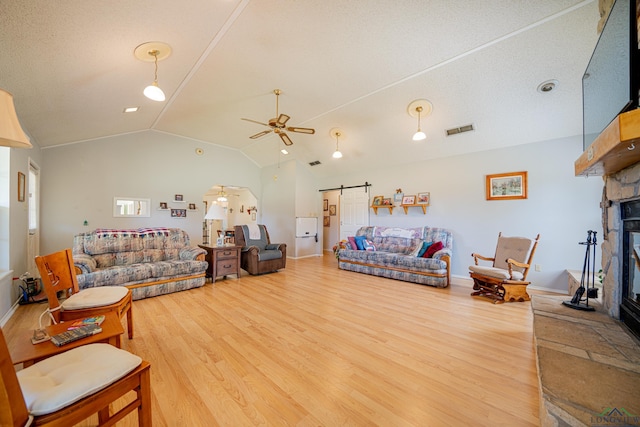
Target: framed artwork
178,213
326,221
423,198
326,205
377,200
398,197
21,185
386,201
506,186
178,198
192,206
409,200
332,210
163,205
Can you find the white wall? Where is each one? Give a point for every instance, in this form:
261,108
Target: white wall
79,182
560,206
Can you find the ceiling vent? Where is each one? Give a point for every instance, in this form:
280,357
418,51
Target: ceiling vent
461,129
314,163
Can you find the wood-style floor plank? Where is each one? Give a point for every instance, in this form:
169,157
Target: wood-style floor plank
313,345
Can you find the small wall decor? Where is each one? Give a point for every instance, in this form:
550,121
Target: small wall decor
178,198
409,200
21,185
377,200
386,201
332,210
326,205
506,186
397,198
423,198
178,213
163,205
192,206
326,221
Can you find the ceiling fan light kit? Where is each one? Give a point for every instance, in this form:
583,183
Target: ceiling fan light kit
153,52
419,108
278,125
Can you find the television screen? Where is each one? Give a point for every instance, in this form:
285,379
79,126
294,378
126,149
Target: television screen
607,85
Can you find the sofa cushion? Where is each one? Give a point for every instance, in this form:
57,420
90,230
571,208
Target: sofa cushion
270,254
115,276
175,268
498,273
423,249
368,245
432,250
352,242
360,242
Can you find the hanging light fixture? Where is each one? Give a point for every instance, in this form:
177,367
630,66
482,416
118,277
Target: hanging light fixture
222,196
419,108
11,133
336,133
153,51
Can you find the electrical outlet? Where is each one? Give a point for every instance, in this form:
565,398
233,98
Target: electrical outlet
538,267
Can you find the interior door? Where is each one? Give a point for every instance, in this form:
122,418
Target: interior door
33,236
354,211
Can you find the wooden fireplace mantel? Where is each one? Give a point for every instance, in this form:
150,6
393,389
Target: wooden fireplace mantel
617,147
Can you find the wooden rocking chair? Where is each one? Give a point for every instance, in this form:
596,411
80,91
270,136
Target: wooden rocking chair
506,279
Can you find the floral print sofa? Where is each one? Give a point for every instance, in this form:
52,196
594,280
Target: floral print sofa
393,253
149,261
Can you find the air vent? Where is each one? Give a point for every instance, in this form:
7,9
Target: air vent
314,163
461,129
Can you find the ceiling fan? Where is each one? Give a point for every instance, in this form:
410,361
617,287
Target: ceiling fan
278,125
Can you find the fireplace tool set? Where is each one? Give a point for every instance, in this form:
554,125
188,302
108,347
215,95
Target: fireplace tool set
588,277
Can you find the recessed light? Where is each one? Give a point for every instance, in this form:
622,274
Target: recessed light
547,86
283,151
131,109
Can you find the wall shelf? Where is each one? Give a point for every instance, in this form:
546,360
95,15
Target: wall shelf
421,205
614,149
376,207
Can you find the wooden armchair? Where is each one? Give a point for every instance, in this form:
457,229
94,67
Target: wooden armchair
505,279
58,274
259,255
69,387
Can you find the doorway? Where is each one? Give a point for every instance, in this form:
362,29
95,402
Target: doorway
33,235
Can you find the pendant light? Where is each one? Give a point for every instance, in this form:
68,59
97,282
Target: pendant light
153,51
419,108
336,133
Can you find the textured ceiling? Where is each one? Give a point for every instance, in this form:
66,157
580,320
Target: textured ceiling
353,64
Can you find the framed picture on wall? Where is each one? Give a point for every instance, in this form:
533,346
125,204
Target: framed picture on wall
326,221
178,213
423,198
326,205
21,184
332,210
506,186
409,200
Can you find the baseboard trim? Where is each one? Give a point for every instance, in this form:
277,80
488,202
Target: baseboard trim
9,313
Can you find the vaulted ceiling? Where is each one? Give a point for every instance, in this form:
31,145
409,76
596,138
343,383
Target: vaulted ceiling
355,65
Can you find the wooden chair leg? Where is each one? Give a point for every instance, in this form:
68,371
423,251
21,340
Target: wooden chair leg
144,394
130,321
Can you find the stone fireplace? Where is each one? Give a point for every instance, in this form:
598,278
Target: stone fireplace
621,228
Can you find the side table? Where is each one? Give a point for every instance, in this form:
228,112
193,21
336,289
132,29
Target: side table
27,353
222,260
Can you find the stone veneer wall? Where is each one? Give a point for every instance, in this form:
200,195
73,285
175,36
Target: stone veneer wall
620,187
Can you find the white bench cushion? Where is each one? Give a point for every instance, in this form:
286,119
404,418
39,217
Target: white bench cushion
95,297
65,378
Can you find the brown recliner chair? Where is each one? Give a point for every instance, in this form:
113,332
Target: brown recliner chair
259,255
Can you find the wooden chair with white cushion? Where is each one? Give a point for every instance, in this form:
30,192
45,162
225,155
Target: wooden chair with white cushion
69,387
58,274
506,278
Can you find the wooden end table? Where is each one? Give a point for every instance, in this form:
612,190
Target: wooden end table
222,260
27,353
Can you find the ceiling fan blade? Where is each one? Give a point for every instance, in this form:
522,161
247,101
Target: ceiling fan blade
285,138
259,134
253,121
302,130
282,120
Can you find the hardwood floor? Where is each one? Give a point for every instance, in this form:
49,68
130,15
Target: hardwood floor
313,345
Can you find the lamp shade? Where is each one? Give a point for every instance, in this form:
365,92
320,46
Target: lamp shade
11,133
215,212
154,93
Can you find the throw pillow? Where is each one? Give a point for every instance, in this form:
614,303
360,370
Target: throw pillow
425,247
368,245
433,249
352,242
360,242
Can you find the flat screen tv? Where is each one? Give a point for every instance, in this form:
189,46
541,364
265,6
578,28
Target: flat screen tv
611,83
